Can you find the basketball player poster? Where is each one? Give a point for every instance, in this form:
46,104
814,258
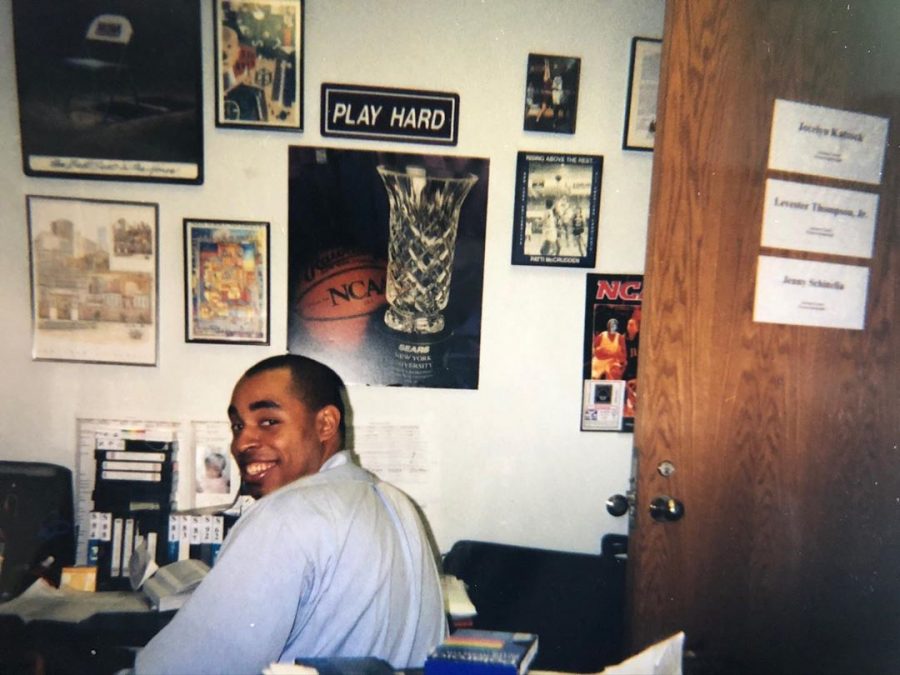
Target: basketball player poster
556,209
386,264
612,331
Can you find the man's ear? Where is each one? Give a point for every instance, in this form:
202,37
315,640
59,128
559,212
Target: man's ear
328,421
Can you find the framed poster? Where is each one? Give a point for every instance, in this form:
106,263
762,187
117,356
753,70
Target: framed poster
556,209
114,90
259,64
643,85
386,264
226,284
94,284
612,334
551,93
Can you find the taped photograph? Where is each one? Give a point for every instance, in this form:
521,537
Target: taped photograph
556,210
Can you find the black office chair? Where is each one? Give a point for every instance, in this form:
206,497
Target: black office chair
37,527
574,602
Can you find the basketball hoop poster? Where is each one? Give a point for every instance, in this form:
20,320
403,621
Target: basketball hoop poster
386,264
612,332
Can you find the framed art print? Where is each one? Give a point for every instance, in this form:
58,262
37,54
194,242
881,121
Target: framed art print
259,64
94,280
643,85
556,209
110,90
551,93
227,281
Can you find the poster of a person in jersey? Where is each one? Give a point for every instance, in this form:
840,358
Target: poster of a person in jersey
386,264
612,327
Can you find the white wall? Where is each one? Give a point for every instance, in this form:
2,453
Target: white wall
514,466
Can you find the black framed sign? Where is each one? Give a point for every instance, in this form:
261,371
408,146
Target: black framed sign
643,85
226,265
556,209
403,115
110,89
259,64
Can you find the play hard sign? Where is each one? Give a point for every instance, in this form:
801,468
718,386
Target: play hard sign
403,115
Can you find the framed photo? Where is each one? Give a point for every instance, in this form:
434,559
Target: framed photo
259,64
556,210
551,93
643,85
612,333
226,266
110,90
94,283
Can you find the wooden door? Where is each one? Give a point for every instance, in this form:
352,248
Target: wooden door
784,438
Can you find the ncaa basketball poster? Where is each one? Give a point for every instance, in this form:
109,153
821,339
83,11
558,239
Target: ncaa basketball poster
386,264
612,332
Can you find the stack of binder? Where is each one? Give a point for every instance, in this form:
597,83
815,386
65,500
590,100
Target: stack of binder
133,496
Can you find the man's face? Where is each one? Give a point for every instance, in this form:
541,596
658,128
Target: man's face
276,438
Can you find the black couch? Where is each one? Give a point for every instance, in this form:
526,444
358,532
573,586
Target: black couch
574,602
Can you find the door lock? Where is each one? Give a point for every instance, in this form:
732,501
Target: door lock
666,509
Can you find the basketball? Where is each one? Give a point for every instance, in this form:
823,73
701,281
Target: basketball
338,292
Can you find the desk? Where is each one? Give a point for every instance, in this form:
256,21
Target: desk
50,632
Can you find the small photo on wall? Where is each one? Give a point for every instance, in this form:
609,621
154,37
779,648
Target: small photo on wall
259,75
556,210
551,93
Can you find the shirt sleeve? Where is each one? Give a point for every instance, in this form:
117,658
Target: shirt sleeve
239,618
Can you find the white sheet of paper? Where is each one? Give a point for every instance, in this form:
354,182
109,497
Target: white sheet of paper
805,217
821,141
809,293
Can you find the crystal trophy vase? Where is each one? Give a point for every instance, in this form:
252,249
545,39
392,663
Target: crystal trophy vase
424,217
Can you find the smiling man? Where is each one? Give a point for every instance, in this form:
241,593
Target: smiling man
330,561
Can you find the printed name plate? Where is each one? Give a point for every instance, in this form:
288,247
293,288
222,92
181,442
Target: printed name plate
403,115
820,219
809,293
827,142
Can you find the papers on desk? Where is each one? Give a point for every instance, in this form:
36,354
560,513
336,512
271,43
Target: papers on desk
43,601
662,658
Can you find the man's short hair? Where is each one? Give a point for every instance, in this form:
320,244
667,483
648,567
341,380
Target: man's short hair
314,383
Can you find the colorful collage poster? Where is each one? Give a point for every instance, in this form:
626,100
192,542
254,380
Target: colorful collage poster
612,331
386,264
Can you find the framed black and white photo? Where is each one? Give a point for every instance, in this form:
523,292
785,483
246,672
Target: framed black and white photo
643,85
94,283
259,64
110,90
226,281
556,209
551,93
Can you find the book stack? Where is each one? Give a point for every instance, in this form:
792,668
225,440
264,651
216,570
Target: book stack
133,493
483,652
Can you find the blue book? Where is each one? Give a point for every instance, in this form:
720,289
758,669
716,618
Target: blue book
483,652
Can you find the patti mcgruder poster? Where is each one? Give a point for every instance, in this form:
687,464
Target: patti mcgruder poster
385,264
612,333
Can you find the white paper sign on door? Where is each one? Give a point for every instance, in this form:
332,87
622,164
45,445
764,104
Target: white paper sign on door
827,142
809,293
806,217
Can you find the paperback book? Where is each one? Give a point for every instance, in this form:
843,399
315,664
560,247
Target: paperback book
483,652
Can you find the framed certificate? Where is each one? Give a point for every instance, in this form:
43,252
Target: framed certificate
643,85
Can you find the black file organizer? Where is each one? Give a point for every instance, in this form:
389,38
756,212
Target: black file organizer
146,503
